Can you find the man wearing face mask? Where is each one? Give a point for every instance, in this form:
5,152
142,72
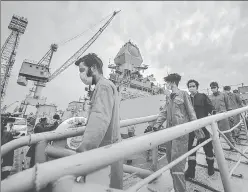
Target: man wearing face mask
221,103
103,125
203,107
177,110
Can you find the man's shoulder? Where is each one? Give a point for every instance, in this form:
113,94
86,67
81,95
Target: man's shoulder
107,84
182,92
203,95
223,94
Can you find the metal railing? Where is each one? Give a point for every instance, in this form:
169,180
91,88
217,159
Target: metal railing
82,164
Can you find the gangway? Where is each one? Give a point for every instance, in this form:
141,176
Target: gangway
94,161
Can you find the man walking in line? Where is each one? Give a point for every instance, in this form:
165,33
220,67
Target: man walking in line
178,110
103,125
221,103
236,103
202,106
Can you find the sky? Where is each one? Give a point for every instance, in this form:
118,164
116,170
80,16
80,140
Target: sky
206,41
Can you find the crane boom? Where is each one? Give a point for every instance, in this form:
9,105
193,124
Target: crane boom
73,58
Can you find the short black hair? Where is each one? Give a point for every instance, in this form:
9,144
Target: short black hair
235,91
174,78
214,84
227,88
43,119
193,81
91,60
56,116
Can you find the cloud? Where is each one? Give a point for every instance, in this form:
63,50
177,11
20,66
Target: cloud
202,40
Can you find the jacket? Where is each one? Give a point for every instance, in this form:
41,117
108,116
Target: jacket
235,100
221,102
202,105
177,110
103,125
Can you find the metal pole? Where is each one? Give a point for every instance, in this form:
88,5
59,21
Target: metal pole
155,158
40,155
116,175
221,159
57,135
58,152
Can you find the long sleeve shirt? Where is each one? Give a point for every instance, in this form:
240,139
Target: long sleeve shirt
235,100
202,105
221,102
177,110
103,125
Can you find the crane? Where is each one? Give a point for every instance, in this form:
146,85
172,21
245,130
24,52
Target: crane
40,72
73,58
17,26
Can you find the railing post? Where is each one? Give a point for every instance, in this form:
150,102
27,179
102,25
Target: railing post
245,124
116,175
155,159
226,181
40,155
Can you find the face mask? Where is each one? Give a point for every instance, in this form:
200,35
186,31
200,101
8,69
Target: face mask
86,80
214,90
192,89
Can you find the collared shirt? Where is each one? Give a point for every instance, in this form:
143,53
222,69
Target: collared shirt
202,105
177,110
103,125
235,100
221,102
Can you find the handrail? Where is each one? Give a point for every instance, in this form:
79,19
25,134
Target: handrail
232,146
237,164
55,135
165,168
230,130
81,164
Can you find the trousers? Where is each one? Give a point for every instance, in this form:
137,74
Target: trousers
208,148
175,149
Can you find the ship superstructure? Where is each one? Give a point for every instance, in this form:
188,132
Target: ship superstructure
126,74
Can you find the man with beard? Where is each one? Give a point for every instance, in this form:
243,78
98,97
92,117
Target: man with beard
221,103
178,110
103,125
203,107
236,103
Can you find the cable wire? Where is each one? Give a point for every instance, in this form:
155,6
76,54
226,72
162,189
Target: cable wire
79,35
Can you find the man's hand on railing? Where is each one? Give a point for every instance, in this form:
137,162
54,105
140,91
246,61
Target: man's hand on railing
199,134
148,129
155,128
213,112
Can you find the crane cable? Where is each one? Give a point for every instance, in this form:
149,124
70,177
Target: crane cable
79,35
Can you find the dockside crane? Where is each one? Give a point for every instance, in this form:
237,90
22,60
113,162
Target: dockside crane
17,26
40,72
